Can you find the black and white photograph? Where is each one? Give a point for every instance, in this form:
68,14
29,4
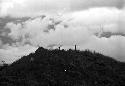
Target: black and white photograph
62,42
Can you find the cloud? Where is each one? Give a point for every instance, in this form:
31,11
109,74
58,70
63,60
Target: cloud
11,53
122,21
34,31
30,8
72,28
85,4
111,19
113,46
23,8
97,16
66,22
1,43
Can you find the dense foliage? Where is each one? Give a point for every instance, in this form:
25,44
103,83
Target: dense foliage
64,68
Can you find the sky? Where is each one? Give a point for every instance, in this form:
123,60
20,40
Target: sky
50,23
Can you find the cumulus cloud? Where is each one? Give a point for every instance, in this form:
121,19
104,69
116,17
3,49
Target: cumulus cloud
98,16
72,28
34,31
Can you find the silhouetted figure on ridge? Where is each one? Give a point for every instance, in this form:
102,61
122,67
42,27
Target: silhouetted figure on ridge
75,47
59,47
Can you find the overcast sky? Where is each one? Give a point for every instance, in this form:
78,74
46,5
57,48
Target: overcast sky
30,7
75,22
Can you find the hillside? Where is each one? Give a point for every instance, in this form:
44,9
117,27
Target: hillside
64,68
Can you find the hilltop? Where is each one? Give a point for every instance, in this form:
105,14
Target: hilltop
64,68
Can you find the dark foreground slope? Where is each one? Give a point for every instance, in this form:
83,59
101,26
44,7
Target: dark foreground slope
64,68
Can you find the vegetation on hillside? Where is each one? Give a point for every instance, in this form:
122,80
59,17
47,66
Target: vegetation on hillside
64,68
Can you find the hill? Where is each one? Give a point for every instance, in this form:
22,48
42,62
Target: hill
64,68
